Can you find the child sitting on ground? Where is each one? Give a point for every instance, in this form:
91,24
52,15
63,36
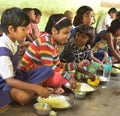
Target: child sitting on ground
38,15
109,39
15,84
79,48
84,15
44,50
30,28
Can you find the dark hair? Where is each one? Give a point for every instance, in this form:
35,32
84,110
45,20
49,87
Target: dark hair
59,21
88,30
15,17
118,14
0,27
27,10
115,25
78,19
37,12
112,10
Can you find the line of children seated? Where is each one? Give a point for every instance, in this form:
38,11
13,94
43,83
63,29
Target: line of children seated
44,50
109,39
41,60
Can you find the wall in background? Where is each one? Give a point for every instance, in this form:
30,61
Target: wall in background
49,7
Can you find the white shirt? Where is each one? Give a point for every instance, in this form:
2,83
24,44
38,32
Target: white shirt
103,21
6,67
108,20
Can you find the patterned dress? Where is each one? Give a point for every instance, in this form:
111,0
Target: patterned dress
72,52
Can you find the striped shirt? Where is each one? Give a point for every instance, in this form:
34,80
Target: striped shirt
44,51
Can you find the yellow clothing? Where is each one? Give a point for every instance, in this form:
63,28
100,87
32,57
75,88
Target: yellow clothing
100,45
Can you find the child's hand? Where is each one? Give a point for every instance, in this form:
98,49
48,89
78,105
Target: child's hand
59,90
51,90
83,63
56,90
102,65
73,82
43,92
91,76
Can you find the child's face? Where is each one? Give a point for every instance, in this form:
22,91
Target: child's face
81,39
117,33
18,34
62,35
88,18
113,15
31,15
37,19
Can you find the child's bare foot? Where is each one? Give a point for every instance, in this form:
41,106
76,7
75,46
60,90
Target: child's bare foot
51,90
59,90
55,90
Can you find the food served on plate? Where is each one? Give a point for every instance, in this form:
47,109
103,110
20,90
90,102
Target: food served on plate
115,70
56,102
103,79
83,87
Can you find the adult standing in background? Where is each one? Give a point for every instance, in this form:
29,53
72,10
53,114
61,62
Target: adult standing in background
105,20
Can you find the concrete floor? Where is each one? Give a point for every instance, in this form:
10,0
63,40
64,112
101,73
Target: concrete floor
103,102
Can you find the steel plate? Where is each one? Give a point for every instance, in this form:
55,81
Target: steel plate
81,87
103,79
69,100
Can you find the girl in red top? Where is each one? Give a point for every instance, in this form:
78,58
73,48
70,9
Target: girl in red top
44,50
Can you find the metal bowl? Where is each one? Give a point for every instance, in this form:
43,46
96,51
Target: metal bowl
79,95
42,108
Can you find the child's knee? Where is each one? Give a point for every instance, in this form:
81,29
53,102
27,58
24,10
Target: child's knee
21,97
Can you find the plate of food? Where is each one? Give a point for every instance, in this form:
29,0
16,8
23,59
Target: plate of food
116,68
58,102
81,87
84,87
103,79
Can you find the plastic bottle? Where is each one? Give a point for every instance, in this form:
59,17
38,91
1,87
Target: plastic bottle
107,68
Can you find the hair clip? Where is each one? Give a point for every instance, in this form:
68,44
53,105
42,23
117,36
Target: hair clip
60,20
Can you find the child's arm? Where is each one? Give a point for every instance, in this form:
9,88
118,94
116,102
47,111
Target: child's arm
105,56
115,43
29,37
14,83
95,59
90,75
110,42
